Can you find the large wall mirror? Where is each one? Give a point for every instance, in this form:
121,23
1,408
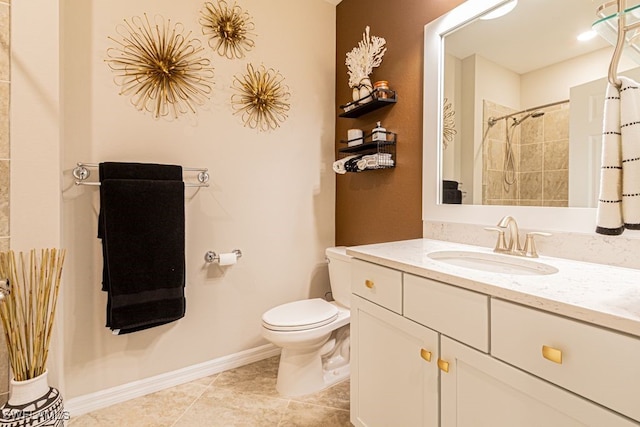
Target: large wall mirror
513,113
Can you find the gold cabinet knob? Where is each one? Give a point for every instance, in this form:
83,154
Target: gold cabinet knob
444,366
368,283
552,354
425,354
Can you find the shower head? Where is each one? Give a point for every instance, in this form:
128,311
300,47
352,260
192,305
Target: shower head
534,114
493,120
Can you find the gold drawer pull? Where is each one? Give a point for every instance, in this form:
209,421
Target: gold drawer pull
552,354
425,354
444,366
368,283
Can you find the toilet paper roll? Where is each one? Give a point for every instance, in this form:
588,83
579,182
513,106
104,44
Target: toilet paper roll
228,259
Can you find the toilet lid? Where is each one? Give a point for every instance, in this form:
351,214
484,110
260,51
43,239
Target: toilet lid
300,315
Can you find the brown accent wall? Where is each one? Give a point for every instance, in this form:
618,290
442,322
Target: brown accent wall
385,205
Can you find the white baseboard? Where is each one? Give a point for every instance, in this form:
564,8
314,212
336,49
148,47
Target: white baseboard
101,399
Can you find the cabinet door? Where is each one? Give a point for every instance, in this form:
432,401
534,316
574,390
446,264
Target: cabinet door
479,391
392,382
597,363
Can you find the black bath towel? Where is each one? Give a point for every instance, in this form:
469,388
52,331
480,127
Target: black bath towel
126,170
142,226
130,170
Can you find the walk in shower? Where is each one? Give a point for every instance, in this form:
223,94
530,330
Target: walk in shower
525,155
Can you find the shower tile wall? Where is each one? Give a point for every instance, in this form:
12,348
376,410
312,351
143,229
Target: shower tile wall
494,192
5,19
541,154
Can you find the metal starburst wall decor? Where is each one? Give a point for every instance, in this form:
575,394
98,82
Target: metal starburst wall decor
261,98
160,67
229,29
448,123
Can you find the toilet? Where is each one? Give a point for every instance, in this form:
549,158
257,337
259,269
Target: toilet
313,334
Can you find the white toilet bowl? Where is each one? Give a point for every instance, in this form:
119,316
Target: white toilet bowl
313,335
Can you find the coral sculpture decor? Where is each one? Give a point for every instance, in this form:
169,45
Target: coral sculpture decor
362,60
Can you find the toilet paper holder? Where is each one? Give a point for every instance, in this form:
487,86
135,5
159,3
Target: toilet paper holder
211,256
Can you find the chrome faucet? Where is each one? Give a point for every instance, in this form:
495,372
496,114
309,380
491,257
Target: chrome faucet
509,238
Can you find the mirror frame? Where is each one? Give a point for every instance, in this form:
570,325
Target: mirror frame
581,220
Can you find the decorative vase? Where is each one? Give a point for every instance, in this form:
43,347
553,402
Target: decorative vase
355,94
32,403
365,90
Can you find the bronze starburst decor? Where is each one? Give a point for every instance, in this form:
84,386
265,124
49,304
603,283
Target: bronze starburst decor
261,98
160,67
448,123
229,29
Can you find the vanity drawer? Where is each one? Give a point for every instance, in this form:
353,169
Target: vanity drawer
378,284
597,363
455,312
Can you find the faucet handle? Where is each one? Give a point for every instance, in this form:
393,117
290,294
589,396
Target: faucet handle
501,243
530,244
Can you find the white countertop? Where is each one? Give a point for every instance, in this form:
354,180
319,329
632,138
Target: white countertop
594,293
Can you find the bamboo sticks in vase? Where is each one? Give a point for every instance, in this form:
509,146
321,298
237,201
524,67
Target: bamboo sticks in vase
28,307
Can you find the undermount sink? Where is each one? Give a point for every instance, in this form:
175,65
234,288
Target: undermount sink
494,263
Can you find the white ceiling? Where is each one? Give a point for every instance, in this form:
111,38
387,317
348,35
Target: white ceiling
536,34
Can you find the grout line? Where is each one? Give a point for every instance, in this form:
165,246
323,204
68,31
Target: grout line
319,406
284,412
194,401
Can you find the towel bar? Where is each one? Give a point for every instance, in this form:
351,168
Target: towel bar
81,173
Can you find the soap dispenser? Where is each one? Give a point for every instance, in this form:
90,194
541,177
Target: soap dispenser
379,133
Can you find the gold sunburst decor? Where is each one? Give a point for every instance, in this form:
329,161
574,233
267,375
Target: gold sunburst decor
229,29
448,123
160,67
261,98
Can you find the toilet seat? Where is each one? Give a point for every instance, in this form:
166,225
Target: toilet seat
300,315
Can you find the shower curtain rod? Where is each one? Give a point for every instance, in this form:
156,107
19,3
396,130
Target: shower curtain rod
527,110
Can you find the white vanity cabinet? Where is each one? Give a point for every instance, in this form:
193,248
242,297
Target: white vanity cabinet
452,311
597,363
481,391
486,366
394,373
377,284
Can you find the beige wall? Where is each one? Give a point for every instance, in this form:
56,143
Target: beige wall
385,205
36,142
5,156
271,194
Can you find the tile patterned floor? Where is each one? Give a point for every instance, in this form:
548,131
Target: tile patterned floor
245,396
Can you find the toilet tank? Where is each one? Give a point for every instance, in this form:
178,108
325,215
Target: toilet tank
340,274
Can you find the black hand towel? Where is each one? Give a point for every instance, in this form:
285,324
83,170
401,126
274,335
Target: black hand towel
143,247
452,196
